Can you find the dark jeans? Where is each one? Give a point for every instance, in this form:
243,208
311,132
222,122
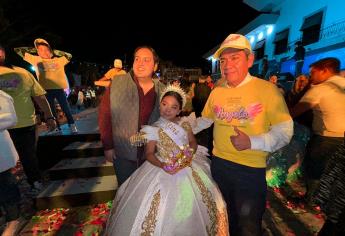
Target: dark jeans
123,169
244,190
332,229
60,96
318,152
24,140
298,69
9,195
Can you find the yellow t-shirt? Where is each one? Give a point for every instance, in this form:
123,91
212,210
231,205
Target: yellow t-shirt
253,108
112,72
50,72
21,85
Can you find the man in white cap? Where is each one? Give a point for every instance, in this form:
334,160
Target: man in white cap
251,119
50,70
106,79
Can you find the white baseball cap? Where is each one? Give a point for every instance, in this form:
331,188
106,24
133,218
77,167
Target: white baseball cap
236,41
39,40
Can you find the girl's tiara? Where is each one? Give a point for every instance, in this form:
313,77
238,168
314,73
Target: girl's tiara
176,89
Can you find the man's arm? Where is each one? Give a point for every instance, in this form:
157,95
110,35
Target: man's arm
62,54
300,108
105,127
104,78
109,155
278,136
22,50
8,116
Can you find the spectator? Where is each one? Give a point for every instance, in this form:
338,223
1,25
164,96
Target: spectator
22,86
106,79
264,67
299,57
9,192
248,124
326,98
132,100
49,66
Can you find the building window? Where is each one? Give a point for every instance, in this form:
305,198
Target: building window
259,49
281,42
311,28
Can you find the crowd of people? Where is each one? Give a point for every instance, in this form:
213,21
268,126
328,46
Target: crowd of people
317,104
191,158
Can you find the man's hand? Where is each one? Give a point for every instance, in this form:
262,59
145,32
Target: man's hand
240,141
51,124
109,155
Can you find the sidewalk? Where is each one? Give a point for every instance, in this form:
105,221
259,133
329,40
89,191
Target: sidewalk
86,122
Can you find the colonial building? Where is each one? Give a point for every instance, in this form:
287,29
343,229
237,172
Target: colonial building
318,24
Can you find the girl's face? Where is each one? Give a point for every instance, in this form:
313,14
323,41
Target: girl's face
169,108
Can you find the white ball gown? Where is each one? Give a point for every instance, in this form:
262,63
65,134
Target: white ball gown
153,202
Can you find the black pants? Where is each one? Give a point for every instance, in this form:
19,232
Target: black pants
124,169
9,196
318,152
332,229
244,190
298,69
24,140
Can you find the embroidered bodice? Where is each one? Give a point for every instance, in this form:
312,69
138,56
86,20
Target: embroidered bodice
166,147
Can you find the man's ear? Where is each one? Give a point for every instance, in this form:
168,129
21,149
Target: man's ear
251,58
155,68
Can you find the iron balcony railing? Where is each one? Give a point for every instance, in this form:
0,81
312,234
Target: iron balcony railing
332,31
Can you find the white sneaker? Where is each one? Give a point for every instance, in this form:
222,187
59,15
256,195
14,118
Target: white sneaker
55,132
73,128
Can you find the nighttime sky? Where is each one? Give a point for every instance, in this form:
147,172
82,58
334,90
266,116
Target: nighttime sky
99,31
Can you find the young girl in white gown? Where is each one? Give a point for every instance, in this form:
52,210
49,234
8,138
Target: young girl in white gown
172,193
